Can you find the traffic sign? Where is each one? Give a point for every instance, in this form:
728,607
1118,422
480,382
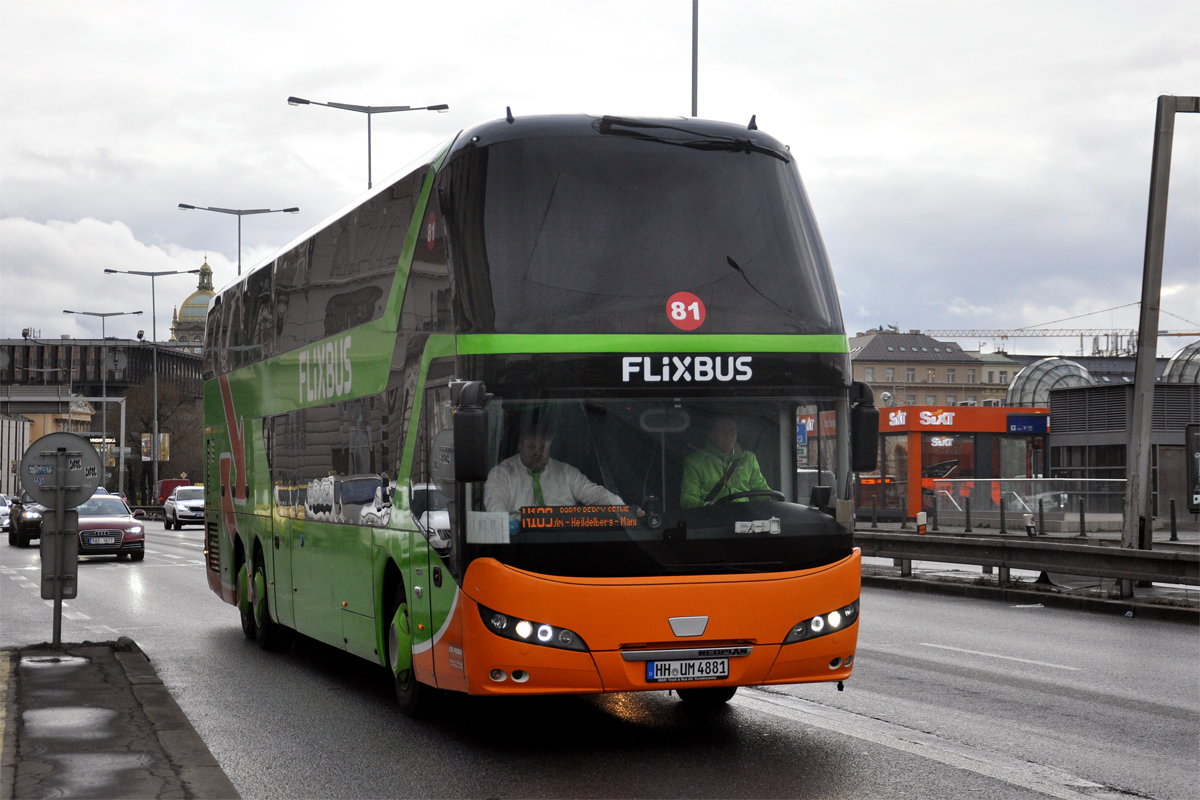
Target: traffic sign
80,465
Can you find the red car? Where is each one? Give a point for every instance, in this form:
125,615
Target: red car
107,527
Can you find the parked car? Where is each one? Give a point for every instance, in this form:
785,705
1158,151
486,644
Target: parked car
184,506
25,517
108,527
5,508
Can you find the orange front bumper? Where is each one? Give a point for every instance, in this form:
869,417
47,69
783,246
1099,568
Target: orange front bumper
632,614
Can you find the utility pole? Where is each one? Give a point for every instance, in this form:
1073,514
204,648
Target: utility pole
1138,518
695,50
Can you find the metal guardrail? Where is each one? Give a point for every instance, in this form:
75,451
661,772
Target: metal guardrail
152,512
1022,553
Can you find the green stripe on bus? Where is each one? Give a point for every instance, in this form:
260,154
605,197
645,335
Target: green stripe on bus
500,343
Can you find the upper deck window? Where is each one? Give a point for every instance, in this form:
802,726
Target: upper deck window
594,233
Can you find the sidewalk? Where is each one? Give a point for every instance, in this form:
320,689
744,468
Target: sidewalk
94,720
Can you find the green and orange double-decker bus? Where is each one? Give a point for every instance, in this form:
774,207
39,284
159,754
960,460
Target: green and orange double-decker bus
620,286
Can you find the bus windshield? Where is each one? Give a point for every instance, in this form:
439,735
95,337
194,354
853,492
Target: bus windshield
638,486
581,232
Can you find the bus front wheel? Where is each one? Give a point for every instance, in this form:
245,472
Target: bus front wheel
707,698
412,696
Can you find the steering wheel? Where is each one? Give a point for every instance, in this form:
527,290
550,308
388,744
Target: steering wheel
774,495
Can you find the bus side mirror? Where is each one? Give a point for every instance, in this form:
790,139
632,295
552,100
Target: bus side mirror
470,432
864,428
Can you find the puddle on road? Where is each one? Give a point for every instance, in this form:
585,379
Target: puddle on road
68,722
51,661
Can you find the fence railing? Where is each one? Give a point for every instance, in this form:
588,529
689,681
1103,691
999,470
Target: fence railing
1042,556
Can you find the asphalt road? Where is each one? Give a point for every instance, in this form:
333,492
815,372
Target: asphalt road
949,698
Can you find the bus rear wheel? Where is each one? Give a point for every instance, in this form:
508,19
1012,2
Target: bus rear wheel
707,698
244,609
267,631
412,696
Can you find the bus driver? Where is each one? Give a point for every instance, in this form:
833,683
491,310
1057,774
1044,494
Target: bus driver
533,478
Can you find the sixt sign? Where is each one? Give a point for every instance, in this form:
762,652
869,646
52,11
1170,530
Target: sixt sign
686,369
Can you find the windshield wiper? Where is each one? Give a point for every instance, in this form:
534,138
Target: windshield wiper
621,126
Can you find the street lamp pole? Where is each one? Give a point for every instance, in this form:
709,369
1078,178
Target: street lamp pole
441,108
239,213
104,315
154,450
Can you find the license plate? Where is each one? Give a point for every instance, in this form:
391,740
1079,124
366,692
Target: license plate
700,669
102,540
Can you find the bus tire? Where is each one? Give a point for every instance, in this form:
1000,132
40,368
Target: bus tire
411,695
707,698
267,631
243,603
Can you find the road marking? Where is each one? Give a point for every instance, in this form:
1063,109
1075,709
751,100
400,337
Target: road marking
17,578
75,615
165,555
997,655
1018,772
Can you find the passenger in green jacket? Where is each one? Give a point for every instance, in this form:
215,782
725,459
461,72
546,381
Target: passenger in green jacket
721,468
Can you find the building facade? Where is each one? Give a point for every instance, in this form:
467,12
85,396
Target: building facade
915,369
187,320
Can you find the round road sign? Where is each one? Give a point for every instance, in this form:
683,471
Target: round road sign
79,465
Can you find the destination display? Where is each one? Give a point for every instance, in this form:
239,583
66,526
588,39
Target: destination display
537,517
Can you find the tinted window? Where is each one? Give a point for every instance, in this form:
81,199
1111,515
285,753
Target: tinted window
595,233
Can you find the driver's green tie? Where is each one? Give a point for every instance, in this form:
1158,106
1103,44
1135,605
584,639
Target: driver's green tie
537,488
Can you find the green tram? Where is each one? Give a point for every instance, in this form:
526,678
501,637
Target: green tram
613,291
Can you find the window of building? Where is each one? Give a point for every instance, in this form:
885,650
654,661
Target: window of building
931,400
936,350
1004,376
891,349
910,399
891,374
910,374
924,349
902,349
951,400
972,400
931,375
949,375
970,376
869,374
991,376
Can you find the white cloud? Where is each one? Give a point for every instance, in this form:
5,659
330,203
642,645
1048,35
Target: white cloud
52,266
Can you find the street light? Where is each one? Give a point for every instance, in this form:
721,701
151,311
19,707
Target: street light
239,213
104,315
154,345
441,108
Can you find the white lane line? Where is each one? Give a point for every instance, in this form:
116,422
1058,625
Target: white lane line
164,555
1018,772
997,655
75,615
17,577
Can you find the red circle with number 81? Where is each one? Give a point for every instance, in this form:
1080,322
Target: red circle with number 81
686,311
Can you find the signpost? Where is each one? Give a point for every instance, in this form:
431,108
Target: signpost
60,471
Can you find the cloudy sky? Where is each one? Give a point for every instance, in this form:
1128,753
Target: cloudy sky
972,164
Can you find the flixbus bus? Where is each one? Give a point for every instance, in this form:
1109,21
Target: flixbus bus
625,282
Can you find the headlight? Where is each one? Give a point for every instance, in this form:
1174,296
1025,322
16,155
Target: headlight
823,624
31,514
136,529
530,632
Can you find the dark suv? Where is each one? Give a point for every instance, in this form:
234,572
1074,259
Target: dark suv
25,520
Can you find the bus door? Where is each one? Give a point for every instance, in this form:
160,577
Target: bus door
434,593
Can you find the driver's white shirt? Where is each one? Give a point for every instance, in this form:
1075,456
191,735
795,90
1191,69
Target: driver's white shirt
509,487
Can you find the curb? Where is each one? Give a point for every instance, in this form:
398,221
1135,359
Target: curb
198,770
1049,599
8,726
